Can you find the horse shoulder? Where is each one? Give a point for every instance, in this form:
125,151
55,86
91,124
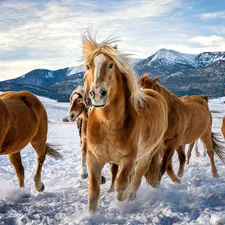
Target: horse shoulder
223,127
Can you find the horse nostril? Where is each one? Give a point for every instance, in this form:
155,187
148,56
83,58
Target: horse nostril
92,94
103,93
72,116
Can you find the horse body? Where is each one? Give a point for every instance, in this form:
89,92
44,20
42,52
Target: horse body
21,111
125,127
24,120
187,121
223,127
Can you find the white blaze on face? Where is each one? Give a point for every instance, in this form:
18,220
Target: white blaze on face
98,61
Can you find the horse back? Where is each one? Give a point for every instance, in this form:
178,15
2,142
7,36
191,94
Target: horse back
25,117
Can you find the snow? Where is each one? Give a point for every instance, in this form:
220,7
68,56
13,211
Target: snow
172,57
199,199
74,69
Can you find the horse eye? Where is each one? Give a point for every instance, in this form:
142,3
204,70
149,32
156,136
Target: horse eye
87,67
110,65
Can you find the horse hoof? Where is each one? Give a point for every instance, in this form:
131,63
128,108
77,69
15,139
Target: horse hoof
197,154
132,196
180,175
84,175
177,181
42,188
120,196
111,189
216,175
103,180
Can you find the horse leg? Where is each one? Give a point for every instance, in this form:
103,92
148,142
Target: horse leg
95,169
208,142
140,170
40,149
182,159
197,153
171,172
167,160
190,148
84,173
114,170
16,161
127,168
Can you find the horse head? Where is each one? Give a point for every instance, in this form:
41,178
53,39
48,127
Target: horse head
77,105
146,82
107,71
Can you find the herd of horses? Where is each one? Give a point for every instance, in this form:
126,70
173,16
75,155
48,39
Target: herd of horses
134,125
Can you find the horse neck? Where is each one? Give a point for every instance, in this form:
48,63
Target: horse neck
168,96
84,113
118,102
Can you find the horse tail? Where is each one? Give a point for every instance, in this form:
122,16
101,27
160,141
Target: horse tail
218,146
153,172
52,152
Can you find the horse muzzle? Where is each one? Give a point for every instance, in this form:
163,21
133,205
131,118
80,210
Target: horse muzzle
98,97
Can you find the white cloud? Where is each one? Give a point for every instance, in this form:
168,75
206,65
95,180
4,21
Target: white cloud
47,35
211,41
214,15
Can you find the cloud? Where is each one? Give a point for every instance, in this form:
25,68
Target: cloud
211,41
214,15
47,33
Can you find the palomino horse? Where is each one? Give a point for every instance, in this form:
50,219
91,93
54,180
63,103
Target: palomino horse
23,120
78,110
125,126
187,121
223,127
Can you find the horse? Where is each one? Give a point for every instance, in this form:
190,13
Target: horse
79,111
187,121
223,127
125,126
24,120
76,110
195,143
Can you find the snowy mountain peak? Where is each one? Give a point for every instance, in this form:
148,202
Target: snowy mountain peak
173,57
74,69
208,58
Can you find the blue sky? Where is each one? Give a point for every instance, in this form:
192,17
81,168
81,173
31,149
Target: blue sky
46,33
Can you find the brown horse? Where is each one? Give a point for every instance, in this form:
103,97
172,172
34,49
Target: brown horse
187,121
195,143
24,120
78,108
78,111
125,126
223,127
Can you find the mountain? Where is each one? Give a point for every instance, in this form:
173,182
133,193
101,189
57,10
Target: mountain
57,84
182,74
165,62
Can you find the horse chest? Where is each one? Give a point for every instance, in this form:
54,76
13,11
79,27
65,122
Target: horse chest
107,143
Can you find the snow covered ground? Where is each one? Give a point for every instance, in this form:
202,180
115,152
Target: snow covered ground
199,199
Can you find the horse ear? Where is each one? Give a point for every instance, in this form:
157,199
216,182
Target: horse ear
115,47
155,80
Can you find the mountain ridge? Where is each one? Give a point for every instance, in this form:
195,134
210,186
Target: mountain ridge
181,73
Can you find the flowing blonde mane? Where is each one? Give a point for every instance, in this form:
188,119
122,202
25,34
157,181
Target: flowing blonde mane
91,48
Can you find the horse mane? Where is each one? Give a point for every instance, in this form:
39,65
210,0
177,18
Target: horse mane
91,48
169,96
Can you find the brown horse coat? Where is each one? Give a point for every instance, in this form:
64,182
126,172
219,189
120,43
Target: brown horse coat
24,119
187,121
125,127
223,127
